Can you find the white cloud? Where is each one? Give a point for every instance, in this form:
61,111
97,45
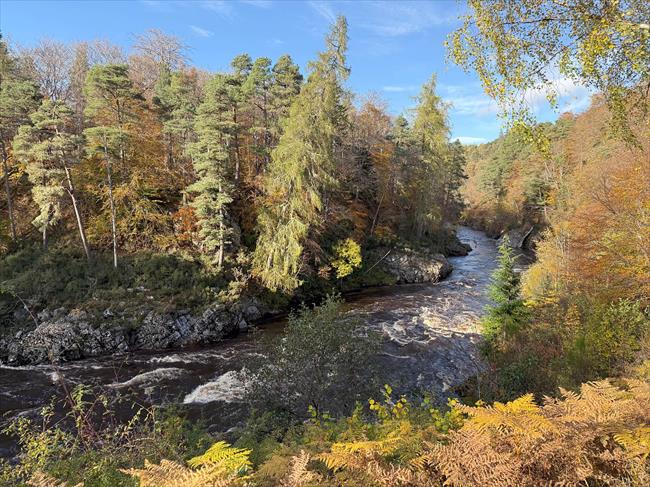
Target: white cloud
571,95
399,89
478,105
469,99
221,7
395,19
467,140
324,10
201,31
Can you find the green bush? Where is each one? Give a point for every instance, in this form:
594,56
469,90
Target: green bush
322,360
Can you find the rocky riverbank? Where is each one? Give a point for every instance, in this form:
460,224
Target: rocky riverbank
63,335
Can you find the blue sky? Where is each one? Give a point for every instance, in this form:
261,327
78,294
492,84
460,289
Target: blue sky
394,46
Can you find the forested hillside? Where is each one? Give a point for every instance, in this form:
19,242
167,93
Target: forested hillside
255,178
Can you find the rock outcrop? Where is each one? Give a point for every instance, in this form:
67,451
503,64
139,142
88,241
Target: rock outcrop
522,238
409,266
63,336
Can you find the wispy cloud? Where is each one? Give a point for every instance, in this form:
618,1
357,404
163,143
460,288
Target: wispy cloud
324,10
398,89
467,140
572,97
258,3
469,99
200,31
221,7
395,19
477,105
158,5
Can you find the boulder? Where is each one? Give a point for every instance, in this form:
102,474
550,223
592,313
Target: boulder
409,266
522,238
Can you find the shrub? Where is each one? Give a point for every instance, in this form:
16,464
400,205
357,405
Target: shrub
321,360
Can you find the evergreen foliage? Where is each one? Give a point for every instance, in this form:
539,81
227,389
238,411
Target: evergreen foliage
508,313
213,166
303,168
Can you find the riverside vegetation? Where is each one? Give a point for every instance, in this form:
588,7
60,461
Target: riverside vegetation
565,395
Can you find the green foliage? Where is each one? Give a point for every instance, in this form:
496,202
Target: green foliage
607,341
46,148
348,257
303,167
62,277
212,165
321,360
508,313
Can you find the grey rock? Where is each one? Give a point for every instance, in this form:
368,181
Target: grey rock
520,238
409,266
64,336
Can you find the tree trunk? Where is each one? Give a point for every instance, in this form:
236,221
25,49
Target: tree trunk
77,213
45,225
221,245
10,206
112,203
376,215
222,242
236,144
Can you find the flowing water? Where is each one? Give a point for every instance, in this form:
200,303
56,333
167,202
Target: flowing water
430,337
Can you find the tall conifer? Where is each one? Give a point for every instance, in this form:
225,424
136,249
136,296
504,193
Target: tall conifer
303,166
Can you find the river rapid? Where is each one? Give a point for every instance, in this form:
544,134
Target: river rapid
430,342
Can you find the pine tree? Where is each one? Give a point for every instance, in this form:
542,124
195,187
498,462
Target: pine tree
508,313
285,85
431,132
257,93
212,164
18,98
49,147
303,166
110,103
241,68
176,99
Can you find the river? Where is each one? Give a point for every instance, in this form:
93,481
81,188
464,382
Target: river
430,342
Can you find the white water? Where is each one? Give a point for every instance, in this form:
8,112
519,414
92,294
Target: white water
227,387
151,376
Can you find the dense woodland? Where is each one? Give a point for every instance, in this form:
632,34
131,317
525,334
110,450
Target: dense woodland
255,174
259,179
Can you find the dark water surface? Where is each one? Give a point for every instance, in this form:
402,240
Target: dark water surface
430,336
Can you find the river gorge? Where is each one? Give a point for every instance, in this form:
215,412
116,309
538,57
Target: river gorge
430,336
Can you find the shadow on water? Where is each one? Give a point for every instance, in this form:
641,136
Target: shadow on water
430,336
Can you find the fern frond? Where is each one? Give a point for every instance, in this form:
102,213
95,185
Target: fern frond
172,474
40,479
636,442
298,474
223,457
521,416
349,455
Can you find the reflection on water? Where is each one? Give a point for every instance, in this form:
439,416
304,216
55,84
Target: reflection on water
430,333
